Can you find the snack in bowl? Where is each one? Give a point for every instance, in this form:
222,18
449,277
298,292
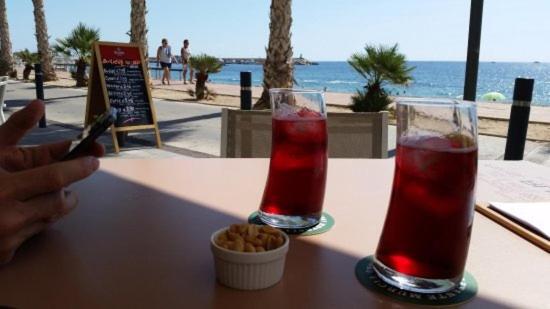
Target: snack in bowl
249,256
250,238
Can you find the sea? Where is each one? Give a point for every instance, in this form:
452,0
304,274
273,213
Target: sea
430,78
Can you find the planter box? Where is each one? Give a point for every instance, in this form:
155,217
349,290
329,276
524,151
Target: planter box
247,134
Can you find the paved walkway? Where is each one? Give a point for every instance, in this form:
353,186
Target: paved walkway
187,129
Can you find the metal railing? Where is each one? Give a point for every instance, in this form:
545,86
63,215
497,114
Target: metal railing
156,73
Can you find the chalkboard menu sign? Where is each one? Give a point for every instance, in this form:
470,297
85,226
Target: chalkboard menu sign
126,87
119,81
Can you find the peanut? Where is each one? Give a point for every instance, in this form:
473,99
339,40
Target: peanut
249,248
279,241
233,236
253,240
250,238
270,230
237,246
252,231
234,228
221,238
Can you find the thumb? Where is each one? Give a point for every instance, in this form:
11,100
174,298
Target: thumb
20,123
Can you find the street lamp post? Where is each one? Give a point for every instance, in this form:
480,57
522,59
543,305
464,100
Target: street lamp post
39,84
474,41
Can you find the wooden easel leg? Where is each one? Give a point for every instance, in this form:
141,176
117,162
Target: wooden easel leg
157,136
115,140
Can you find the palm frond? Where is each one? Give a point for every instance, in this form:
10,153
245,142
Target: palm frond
79,42
379,65
206,64
382,64
27,57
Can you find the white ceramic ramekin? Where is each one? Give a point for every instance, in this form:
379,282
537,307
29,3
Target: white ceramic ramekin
248,271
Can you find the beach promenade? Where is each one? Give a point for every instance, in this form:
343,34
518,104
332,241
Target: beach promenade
187,129
493,116
498,111
230,96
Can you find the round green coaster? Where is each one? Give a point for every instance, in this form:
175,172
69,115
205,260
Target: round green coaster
369,279
325,224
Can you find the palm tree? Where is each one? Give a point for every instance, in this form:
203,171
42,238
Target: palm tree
138,27
79,44
278,68
28,59
379,65
42,40
204,65
6,59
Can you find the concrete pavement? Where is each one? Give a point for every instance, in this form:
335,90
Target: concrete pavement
187,129
192,131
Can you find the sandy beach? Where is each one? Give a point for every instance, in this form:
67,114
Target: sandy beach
493,117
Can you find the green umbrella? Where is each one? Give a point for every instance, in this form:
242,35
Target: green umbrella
493,96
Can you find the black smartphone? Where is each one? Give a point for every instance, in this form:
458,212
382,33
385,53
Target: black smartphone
91,132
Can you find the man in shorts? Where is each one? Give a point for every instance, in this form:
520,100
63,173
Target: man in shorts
164,59
185,55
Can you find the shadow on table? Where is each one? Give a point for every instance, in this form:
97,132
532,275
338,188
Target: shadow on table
112,252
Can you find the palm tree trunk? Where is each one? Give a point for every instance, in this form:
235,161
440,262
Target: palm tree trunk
138,27
278,67
27,71
81,73
42,40
200,85
6,59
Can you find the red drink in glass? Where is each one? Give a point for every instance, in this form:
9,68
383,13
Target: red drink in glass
298,167
429,220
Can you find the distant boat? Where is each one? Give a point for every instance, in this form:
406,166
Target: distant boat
303,61
536,62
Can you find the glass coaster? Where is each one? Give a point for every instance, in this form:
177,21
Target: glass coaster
461,294
325,224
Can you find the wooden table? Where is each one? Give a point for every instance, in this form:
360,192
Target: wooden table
140,239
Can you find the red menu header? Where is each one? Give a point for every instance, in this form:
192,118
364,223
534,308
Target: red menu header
120,55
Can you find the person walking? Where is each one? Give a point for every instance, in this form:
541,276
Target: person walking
164,59
185,55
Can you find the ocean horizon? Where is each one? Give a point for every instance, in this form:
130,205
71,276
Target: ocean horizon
430,78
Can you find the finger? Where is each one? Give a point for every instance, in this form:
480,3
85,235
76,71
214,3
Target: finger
49,207
30,231
53,152
98,150
48,178
49,153
10,244
20,122
20,221
14,159
31,157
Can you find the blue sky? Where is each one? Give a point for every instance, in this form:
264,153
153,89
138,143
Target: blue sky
322,30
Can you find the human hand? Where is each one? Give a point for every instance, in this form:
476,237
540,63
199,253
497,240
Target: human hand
13,158
31,200
32,182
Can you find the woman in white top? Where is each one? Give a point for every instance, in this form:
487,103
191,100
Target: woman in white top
164,59
185,55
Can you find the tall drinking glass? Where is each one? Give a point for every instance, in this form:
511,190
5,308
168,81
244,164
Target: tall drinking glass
424,242
295,188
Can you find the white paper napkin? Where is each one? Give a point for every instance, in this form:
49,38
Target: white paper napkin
535,216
